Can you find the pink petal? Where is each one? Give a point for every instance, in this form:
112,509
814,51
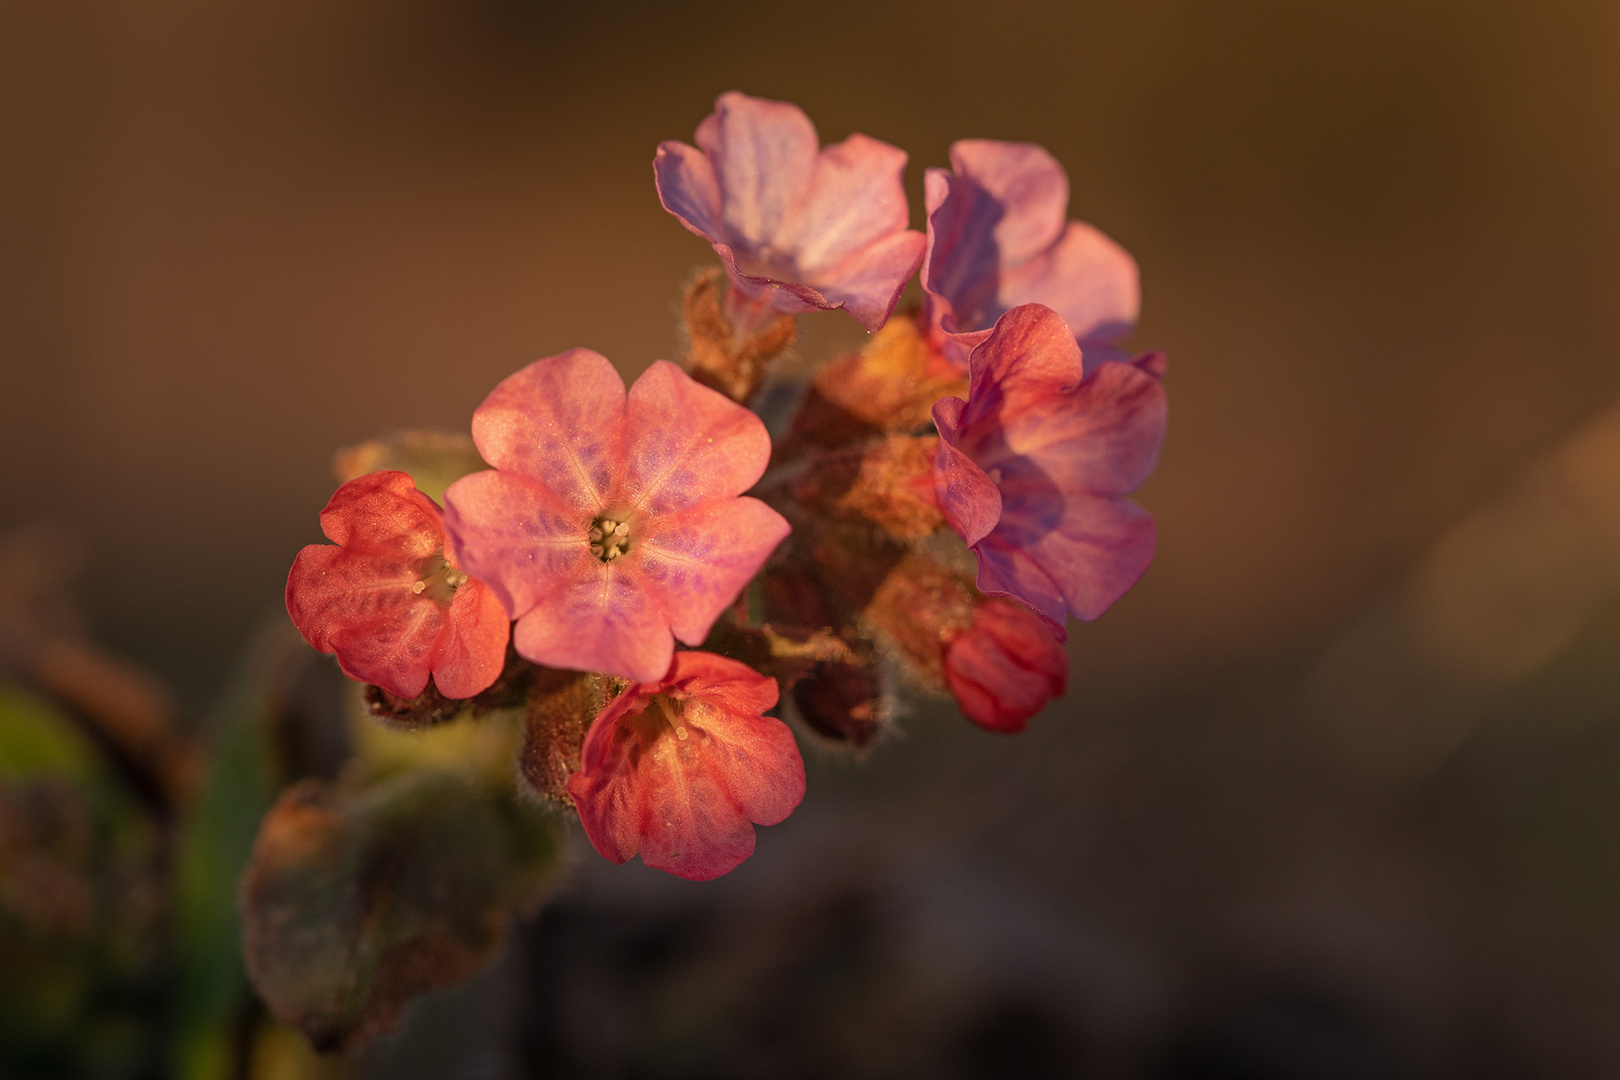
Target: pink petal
968,498
360,607
472,647
687,444
685,804
600,620
383,512
763,154
695,563
514,534
559,421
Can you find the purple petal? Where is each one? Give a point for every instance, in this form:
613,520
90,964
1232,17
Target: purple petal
968,498
868,285
560,422
1086,277
763,154
1080,563
687,187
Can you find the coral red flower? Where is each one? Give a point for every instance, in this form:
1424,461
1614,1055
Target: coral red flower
1032,468
797,227
677,769
1005,667
391,602
997,238
611,523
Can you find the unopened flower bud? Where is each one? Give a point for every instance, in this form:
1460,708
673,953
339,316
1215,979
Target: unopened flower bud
841,700
1006,667
888,483
728,354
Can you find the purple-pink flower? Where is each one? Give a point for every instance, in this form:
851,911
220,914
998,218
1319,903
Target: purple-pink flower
611,524
797,227
1033,467
681,769
997,238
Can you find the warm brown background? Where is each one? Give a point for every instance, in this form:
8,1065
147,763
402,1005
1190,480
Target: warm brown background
1380,242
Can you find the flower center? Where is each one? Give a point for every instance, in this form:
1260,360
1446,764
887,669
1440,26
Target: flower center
437,579
609,537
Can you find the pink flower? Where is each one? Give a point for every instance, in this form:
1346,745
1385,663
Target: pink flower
391,601
611,524
997,238
1032,469
1006,667
799,229
677,769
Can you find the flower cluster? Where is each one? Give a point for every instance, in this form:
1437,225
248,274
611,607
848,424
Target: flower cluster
997,423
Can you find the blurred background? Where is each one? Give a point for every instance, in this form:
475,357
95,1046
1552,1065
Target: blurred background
1335,791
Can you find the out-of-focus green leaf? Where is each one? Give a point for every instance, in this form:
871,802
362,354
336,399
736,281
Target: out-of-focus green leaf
359,898
35,740
81,905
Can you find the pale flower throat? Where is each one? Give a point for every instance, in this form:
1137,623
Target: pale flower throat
437,579
610,537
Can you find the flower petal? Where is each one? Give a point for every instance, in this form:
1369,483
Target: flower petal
684,797
687,187
968,498
559,421
868,284
472,648
383,513
697,561
514,534
1081,563
360,607
1087,278
763,154
601,620
687,444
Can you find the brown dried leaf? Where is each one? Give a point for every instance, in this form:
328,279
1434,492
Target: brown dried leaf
356,900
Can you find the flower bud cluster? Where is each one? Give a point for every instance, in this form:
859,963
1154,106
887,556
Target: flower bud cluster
657,585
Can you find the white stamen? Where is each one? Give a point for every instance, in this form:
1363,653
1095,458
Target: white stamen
418,587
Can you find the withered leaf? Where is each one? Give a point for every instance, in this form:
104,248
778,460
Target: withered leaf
357,900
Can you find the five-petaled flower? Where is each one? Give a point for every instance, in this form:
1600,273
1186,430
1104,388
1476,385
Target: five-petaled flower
797,227
1033,467
390,600
678,768
612,523
997,238
1005,667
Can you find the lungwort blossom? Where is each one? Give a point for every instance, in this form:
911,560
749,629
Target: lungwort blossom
611,523
391,601
1033,467
997,238
1005,667
678,768
797,227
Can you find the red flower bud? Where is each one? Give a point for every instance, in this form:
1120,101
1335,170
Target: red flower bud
1006,667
